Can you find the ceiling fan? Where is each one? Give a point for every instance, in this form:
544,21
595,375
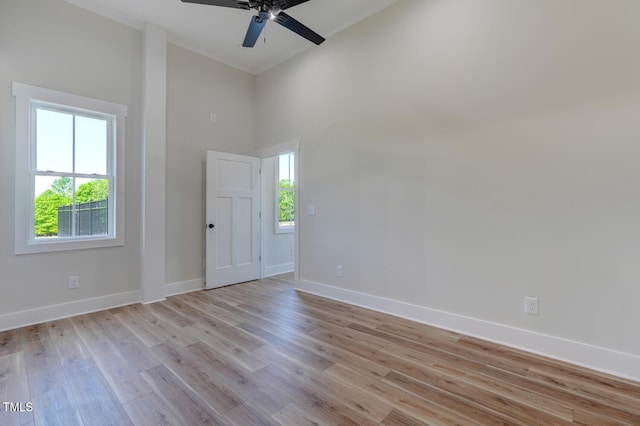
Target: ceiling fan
268,10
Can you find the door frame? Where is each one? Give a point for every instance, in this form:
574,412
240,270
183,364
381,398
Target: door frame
272,151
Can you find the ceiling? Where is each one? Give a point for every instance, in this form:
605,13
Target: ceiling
218,32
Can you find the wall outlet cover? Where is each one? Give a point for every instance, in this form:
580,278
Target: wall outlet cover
531,305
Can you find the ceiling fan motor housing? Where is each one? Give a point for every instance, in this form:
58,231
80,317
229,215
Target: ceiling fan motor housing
267,10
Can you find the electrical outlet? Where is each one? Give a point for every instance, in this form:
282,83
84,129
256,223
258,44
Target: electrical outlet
74,282
531,305
339,270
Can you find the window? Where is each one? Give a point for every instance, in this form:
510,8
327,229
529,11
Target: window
285,193
68,171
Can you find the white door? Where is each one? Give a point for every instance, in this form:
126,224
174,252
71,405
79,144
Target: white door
233,219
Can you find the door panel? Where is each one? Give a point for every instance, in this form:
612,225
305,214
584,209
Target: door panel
223,241
233,207
245,230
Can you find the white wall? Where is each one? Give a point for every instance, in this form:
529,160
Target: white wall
58,46
196,88
279,253
463,155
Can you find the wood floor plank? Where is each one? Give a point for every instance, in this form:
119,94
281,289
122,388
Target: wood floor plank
67,342
587,418
348,339
440,363
56,407
294,415
247,414
135,352
205,309
502,357
96,401
143,326
317,404
169,314
262,353
597,386
179,305
192,369
511,411
370,407
227,348
557,391
336,354
185,403
233,378
423,333
222,329
247,317
49,387
510,391
151,329
9,342
41,361
125,381
349,313
438,409
280,319
292,348
615,409
151,410
398,418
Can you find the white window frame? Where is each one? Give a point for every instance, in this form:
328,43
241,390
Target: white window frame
278,228
28,98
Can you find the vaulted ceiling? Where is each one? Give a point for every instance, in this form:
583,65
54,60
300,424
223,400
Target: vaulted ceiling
218,32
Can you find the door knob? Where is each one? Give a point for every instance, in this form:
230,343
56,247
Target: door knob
211,226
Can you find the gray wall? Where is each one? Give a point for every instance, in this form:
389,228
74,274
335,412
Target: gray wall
462,155
58,46
55,45
197,87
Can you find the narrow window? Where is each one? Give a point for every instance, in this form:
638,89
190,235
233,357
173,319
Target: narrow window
285,193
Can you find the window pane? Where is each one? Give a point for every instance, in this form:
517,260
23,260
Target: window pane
287,206
91,145
54,141
92,206
286,194
52,198
285,163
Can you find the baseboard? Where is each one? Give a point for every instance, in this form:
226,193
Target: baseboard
66,310
184,287
279,269
578,353
80,307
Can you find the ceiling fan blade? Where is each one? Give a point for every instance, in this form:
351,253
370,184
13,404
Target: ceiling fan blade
298,28
223,3
286,4
255,28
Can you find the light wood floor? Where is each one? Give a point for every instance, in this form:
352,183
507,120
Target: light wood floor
261,353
